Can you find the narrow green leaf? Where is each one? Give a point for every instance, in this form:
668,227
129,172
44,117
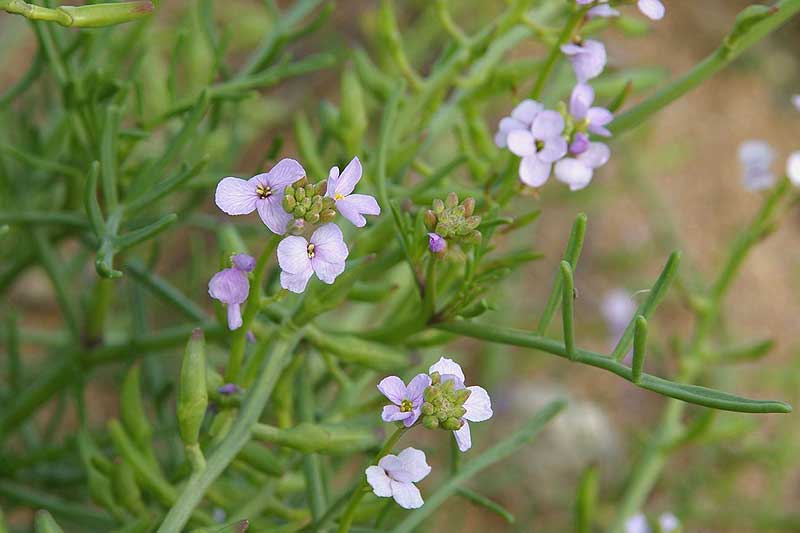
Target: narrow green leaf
132,238
639,348
567,313
108,157
586,500
90,202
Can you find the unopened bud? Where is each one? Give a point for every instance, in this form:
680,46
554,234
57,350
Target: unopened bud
469,206
430,422
125,489
451,201
438,206
430,220
327,215
452,424
321,188
289,203
312,217
300,194
192,393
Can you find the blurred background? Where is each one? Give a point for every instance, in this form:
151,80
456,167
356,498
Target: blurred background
674,183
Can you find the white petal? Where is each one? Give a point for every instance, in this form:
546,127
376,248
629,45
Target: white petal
406,495
534,172
521,143
379,481
574,173
653,9
526,111
596,156
284,173
272,213
793,168
463,437
447,366
478,405
293,255
325,271
349,177
637,524
295,282
414,464
236,196
329,244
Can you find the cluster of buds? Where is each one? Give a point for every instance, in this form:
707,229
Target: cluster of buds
444,404
307,202
451,221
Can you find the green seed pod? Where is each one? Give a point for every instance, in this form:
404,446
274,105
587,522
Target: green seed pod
299,211
288,203
430,220
192,393
451,201
321,188
430,422
45,523
438,206
452,424
469,206
132,411
125,489
300,194
312,217
327,215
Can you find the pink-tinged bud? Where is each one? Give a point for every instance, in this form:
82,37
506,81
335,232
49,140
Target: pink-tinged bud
436,243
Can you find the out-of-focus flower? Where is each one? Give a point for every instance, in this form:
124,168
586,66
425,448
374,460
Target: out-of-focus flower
637,524
796,101
667,523
407,401
653,9
353,207
231,287
617,309
436,243
395,475
228,389
756,158
451,405
594,119
793,168
539,147
588,58
323,254
521,118
262,192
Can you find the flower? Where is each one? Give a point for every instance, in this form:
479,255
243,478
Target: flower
395,475
262,192
477,406
588,58
324,256
521,118
756,157
407,400
793,168
652,9
592,118
231,287
436,243
539,147
228,389
351,206
796,101
637,524
577,171
617,309
602,10
667,523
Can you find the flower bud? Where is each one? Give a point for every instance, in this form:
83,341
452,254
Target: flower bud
328,202
301,182
430,422
436,243
288,203
299,211
473,222
474,237
427,408
451,200
452,424
327,215
321,188
461,396
125,489
192,393
438,206
312,217
469,206
430,220
300,194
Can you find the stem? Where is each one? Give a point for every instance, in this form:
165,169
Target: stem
555,53
349,513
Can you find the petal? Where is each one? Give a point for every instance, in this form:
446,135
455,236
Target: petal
392,413
602,11
295,282
521,143
637,524
463,437
244,262
526,111
293,255
581,100
793,168
349,178
414,464
668,522
406,495
353,206
394,389
379,481
756,153
534,172
596,156
757,180
284,173
234,316
236,196
653,9
325,271
411,420
796,101
416,388
554,149
571,49
598,118
478,405
447,366
230,286
329,244
272,214
574,173
547,124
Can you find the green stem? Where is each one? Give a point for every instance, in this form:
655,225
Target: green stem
555,52
349,513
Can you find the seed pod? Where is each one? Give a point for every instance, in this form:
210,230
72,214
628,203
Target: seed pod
430,220
451,200
192,393
469,206
438,206
288,203
327,215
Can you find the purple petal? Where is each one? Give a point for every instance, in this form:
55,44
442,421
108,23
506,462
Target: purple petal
506,126
296,282
228,388
325,271
354,206
406,495
596,156
394,389
653,9
574,173
349,178
236,196
793,168
293,255
668,522
447,366
526,111
756,154
580,101
392,413
796,101
521,143
234,316
478,405
329,244
379,481
580,143
546,125
588,60
272,214
463,437
602,11
333,177
416,388
244,262
637,524
411,420
533,172
584,2
414,464
230,286
284,173
554,149
436,243
598,118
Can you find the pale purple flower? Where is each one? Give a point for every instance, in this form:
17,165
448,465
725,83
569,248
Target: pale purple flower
406,401
395,475
478,405
588,58
324,255
539,147
637,524
228,389
231,287
577,171
602,10
667,523
796,101
756,158
262,193
617,308
521,118
353,207
793,168
652,9
436,243
595,118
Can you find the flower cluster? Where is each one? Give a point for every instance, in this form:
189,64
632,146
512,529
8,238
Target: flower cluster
667,523
451,221
287,203
756,158
439,399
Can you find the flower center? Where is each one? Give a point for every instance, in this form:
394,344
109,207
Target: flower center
338,196
263,192
310,250
539,145
406,406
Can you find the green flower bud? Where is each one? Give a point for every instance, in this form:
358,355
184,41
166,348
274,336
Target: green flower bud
316,204
288,191
299,211
321,188
427,409
469,206
306,203
192,393
458,211
300,194
301,182
327,215
288,203
436,378
328,202
459,412
473,222
438,206
451,201
312,217
430,422
452,424
309,190
430,220
474,237
461,396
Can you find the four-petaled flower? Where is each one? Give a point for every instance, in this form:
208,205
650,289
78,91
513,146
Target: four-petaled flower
577,171
652,9
593,118
756,158
353,207
262,192
231,287
539,146
407,401
478,406
521,118
588,58
323,254
395,475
